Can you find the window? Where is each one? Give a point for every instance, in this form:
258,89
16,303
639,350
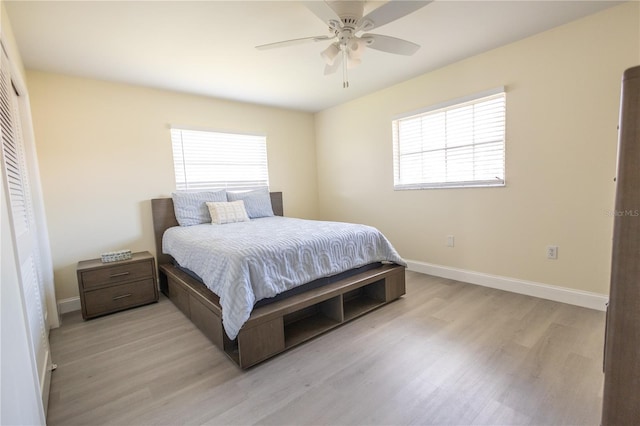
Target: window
459,144
215,160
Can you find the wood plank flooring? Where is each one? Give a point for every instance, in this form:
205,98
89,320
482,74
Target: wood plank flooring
446,353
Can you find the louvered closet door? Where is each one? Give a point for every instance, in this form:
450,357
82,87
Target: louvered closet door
23,224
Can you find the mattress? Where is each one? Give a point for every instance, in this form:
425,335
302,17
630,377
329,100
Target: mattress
320,282
246,262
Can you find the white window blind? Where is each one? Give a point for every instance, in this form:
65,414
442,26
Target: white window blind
454,146
215,160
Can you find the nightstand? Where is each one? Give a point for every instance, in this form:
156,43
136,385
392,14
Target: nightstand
110,287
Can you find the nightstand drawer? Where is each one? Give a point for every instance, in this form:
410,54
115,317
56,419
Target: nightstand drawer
117,273
117,297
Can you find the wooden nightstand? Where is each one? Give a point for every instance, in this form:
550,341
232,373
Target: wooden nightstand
110,287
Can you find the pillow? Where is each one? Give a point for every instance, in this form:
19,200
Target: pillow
227,212
190,207
257,203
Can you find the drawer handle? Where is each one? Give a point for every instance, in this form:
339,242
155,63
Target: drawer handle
121,274
123,296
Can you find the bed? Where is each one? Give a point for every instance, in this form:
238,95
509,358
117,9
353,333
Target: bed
270,328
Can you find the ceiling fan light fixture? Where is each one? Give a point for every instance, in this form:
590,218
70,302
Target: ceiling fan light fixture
356,49
353,62
330,53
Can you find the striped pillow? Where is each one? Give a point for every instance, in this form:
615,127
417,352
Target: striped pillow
190,208
257,203
227,212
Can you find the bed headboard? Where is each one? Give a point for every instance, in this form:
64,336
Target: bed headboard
164,218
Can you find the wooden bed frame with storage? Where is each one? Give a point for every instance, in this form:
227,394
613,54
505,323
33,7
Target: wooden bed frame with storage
276,327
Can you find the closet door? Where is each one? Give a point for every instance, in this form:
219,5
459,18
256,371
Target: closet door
22,221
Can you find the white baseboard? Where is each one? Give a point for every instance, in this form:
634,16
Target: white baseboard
544,291
68,305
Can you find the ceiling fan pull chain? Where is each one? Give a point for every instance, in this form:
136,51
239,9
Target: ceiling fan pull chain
345,77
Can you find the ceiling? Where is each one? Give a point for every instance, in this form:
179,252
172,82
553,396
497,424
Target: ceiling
208,47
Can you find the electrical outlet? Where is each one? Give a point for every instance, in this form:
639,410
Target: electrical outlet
552,252
450,241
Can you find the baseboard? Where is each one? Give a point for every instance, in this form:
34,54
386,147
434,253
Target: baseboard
544,291
68,305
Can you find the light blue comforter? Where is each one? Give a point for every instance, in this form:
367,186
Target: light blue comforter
249,261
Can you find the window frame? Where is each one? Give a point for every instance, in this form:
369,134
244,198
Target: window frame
446,106
188,185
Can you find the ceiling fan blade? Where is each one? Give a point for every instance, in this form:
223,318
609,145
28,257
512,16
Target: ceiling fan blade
330,69
390,44
293,42
322,10
388,12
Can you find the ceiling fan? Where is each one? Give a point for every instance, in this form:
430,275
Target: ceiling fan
347,24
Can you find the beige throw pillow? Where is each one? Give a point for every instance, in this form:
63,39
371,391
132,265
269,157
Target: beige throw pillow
227,212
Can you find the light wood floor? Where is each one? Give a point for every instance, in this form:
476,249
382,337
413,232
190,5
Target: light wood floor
446,353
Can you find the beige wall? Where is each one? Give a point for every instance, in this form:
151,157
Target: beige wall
562,110
105,151
9,41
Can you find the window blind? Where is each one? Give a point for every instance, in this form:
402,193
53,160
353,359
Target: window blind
459,145
215,160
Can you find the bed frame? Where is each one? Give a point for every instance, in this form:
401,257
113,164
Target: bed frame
281,325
